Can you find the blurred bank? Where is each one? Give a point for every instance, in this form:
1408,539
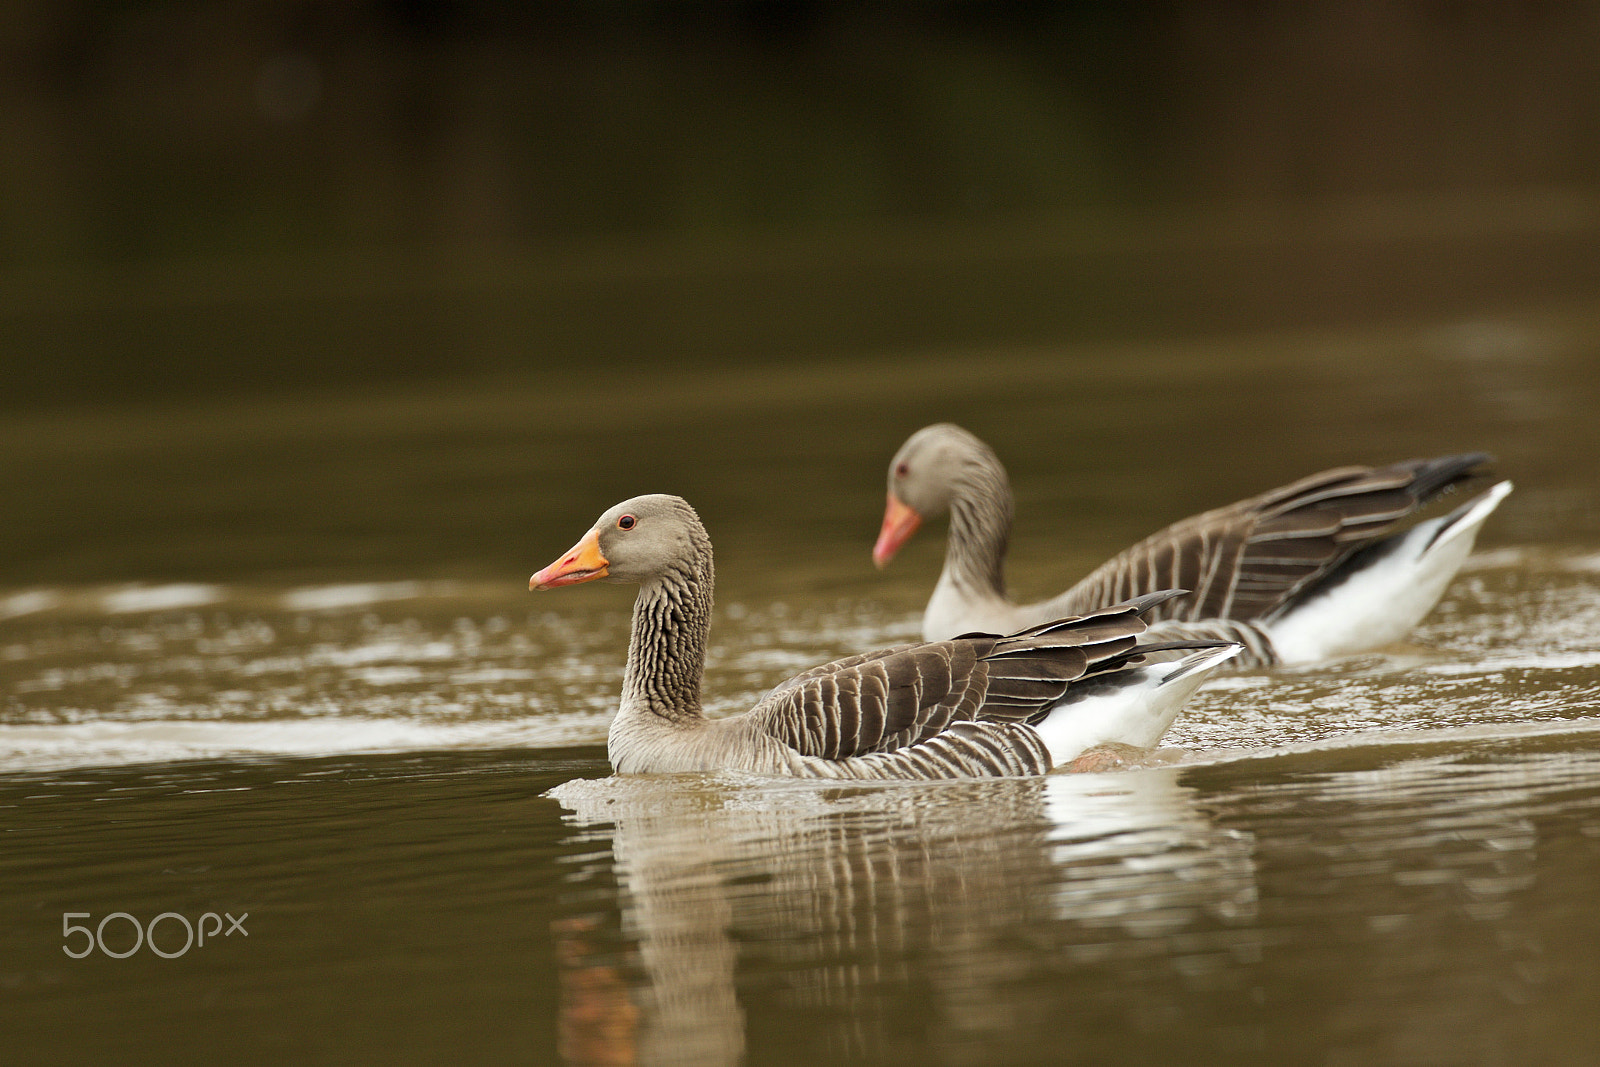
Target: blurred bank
215,199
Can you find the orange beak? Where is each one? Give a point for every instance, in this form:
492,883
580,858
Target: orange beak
583,563
900,521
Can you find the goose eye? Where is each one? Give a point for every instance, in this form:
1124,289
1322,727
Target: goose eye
626,522
902,469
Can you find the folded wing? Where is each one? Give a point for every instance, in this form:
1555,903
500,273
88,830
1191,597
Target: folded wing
909,695
1249,560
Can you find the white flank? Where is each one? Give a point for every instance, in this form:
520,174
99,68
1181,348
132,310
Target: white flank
1381,603
1133,707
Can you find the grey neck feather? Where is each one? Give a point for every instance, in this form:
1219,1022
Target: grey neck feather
980,526
667,649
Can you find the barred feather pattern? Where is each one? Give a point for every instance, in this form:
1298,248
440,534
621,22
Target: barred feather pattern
962,750
959,708
980,524
1257,653
903,697
1251,560
667,644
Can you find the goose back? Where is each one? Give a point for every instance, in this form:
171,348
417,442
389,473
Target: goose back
1247,562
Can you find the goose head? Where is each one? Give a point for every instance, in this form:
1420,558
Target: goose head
924,477
636,541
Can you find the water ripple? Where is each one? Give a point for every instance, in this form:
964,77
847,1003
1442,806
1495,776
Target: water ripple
416,664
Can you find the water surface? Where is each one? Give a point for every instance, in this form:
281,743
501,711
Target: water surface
275,658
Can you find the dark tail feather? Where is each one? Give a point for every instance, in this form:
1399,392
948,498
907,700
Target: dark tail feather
1434,476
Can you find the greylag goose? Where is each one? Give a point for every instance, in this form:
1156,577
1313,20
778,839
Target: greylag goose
975,706
1309,571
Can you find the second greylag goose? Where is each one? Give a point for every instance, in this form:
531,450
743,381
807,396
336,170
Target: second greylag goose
1315,569
974,706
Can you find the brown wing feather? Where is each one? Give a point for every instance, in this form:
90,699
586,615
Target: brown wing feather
964,750
1249,559
905,696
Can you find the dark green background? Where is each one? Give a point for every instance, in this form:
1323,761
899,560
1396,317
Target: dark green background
209,198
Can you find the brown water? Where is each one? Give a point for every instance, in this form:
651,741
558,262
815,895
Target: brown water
275,659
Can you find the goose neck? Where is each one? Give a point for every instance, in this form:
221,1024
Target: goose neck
667,648
980,527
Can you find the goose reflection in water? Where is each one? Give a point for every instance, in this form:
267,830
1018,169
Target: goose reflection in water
876,917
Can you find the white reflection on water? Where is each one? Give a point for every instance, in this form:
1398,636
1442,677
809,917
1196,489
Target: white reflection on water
854,894
164,738
136,598
355,595
27,603
1136,854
